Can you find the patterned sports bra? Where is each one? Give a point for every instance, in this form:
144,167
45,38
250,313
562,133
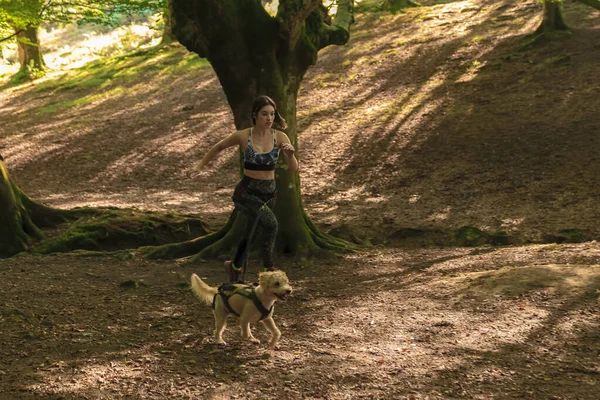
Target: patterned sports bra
260,161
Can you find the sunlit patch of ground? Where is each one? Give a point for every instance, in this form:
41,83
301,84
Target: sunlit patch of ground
72,46
383,324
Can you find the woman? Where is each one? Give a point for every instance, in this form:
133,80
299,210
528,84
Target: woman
256,193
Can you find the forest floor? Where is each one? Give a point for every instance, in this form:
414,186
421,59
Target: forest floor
427,121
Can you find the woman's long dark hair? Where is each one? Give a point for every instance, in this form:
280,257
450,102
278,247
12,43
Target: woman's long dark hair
262,101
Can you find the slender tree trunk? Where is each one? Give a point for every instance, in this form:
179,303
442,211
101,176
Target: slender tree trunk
30,51
168,36
553,20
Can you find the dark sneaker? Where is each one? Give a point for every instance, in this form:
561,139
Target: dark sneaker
233,275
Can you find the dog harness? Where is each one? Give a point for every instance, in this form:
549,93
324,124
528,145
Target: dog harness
226,290
260,161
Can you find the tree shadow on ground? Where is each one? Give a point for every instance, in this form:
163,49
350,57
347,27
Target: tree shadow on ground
465,126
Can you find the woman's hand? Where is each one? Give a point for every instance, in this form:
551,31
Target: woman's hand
288,149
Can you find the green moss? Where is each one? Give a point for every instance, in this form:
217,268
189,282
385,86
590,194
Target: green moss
123,229
471,236
122,71
568,236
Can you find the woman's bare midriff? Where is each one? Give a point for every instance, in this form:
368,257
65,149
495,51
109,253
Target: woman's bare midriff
262,175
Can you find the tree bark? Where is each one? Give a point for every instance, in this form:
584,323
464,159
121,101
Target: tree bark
553,19
168,36
20,217
252,54
30,51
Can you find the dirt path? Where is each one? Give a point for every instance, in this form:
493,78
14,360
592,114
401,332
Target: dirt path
390,324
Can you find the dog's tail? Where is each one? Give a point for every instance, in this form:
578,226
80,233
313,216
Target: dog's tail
202,290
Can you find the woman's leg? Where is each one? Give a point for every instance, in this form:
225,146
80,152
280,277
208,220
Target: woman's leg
269,225
255,199
248,205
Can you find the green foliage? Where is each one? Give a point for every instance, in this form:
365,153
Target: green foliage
570,235
19,14
28,72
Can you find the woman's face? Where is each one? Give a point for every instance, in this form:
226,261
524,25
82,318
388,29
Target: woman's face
265,117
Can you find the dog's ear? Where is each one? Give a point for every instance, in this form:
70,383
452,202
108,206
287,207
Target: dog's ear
263,278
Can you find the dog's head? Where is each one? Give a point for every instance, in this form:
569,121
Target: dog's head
275,283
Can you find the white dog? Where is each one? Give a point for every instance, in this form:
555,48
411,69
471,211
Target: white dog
250,304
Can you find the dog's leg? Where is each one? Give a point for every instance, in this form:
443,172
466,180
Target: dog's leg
220,325
275,332
246,332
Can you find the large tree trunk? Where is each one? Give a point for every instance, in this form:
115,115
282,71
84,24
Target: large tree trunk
553,20
253,53
30,52
20,217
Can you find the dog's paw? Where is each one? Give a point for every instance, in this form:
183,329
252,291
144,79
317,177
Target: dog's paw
254,340
274,346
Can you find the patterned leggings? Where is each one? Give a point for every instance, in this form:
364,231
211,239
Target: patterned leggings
256,199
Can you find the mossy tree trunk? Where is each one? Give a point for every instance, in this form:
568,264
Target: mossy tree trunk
553,19
30,52
20,217
167,34
253,53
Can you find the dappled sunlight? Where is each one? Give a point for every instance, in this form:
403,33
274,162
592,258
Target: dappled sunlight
362,121
440,215
27,148
55,379
385,320
271,6
210,205
382,323
72,46
415,127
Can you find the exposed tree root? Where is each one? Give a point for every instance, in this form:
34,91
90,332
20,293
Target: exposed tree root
223,243
188,248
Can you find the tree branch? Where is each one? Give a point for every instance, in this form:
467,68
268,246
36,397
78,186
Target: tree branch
339,32
292,14
11,36
20,30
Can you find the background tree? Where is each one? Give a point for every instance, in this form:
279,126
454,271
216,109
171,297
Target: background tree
553,19
25,17
30,52
167,32
253,53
